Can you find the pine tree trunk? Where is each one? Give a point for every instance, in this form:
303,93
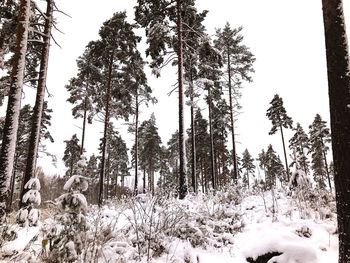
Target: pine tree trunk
136,156
104,140
193,137
182,171
84,126
13,107
212,165
234,157
39,105
339,85
285,154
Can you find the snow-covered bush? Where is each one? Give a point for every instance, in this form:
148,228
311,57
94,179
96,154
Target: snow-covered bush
29,215
66,234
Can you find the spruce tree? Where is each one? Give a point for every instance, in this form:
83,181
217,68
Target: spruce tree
202,149
150,149
278,116
319,138
248,165
71,155
300,144
238,61
274,167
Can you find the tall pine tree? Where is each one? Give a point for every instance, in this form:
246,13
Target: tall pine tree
278,116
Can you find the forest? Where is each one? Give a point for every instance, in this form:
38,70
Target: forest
194,198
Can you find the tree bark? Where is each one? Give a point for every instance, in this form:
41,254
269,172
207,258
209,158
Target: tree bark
339,99
104,140
13,107
285,154
39,105
182,156
234,157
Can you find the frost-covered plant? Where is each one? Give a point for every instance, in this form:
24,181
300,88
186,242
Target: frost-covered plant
299,185
29,215
67,233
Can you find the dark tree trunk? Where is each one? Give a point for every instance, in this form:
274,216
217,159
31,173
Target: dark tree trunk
339,100
13,107
107,171
84,126
212,161
144,181
285,154
104,140
39,105
234,157
182,168
136,143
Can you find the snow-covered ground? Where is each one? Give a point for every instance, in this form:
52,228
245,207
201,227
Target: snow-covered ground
225,227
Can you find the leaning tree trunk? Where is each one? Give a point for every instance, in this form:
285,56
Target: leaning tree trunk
234,157
285,154
212,161
104,139
136,143
39,105
182,171
339,99
13,107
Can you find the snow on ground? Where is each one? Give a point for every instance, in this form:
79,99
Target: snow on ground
206,229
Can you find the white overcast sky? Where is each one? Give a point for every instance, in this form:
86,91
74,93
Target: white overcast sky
286,36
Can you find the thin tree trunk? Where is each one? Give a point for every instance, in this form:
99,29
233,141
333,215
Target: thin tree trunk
108,177
136,143
13,107
202,177
212,165
285,154
339,85
84,126
104,140
39,105
182,168
326,164
327,170
234,157
144,180
193,137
